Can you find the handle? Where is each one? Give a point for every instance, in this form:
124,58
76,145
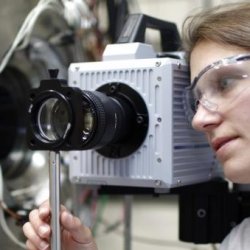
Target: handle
135,28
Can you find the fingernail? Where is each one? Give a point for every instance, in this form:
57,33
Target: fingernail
44,245
44,229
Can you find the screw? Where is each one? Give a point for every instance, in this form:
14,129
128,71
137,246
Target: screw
113,88
201,213
139,119
159,119
158,64
159,160
157,183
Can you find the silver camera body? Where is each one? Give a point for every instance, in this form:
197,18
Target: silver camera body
172,154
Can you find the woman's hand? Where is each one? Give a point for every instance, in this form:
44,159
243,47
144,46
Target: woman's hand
74,236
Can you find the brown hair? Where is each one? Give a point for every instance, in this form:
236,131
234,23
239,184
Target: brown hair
224,24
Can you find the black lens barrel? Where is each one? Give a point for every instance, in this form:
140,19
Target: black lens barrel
111,118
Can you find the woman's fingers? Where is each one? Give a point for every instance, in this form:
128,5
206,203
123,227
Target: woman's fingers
34,240
39,225
74,234
44,210
78,231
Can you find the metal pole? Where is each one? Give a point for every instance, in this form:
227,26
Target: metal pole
127,224
54,188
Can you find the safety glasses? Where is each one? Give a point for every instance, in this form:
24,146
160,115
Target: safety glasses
219,84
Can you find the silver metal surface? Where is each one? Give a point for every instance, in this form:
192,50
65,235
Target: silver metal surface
54,188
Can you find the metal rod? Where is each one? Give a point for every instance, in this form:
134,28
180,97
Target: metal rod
128,199
54,188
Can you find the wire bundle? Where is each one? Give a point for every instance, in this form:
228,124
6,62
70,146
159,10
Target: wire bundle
23,36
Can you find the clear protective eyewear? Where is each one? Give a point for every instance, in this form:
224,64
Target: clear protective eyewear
219,84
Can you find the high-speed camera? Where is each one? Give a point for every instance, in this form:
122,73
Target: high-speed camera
124,121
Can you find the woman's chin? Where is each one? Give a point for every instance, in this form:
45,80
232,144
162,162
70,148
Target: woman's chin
237,174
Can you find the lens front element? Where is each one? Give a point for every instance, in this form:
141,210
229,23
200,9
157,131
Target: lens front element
53,119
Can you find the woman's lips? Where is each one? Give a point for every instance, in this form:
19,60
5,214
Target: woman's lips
220,142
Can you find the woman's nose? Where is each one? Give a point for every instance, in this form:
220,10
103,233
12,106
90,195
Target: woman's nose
205,120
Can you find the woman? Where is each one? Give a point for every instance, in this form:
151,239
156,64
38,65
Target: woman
217,43
221,90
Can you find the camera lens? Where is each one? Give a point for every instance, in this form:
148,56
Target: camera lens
53,119
112,119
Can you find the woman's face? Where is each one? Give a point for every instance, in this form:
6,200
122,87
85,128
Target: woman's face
228,128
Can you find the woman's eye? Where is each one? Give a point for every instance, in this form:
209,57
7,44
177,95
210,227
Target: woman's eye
226,83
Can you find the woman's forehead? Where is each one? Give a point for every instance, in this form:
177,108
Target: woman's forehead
208,52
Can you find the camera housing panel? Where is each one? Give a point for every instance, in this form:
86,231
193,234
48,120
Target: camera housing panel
172,154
